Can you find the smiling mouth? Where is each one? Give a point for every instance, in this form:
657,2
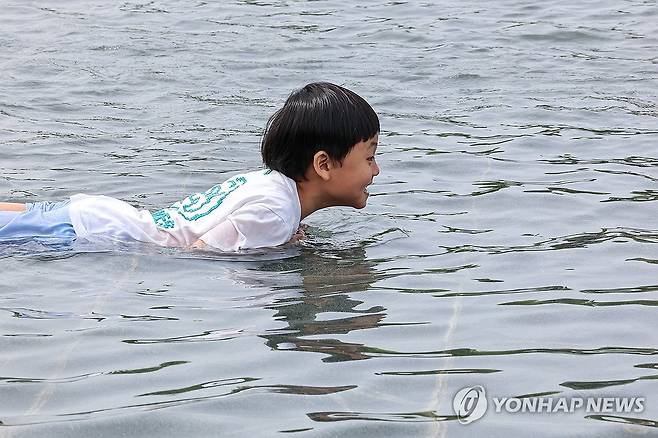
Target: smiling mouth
365,189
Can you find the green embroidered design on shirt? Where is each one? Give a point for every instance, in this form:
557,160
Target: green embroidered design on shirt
198,205
163,220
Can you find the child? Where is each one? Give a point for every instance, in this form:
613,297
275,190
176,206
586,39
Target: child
318,149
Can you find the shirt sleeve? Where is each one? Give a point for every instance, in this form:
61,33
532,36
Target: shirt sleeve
251,226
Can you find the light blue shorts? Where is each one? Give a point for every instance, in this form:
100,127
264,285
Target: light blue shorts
40,220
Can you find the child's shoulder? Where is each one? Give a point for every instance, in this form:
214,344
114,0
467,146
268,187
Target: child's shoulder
266,179
262,185
270,189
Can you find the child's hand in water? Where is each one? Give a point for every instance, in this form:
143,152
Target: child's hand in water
199,244
299,234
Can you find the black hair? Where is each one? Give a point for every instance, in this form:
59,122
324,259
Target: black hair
319,116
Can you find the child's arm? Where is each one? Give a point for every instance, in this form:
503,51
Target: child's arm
251,226
225,237
299,235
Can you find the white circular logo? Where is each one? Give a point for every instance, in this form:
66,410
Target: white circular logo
470,404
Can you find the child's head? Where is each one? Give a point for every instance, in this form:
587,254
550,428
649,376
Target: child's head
318,117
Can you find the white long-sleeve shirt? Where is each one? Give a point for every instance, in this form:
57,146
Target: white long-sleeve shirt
251,210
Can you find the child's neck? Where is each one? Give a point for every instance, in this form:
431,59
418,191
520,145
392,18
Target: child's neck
311,196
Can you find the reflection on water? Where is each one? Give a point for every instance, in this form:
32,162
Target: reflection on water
326,279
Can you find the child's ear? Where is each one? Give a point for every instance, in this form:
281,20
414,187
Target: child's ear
322,164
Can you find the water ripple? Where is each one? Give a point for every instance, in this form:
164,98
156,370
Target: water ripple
578,240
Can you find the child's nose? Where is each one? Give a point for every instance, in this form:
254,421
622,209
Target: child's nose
375,169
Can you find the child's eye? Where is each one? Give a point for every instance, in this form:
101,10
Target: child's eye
371,158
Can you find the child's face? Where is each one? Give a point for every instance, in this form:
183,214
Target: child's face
349,181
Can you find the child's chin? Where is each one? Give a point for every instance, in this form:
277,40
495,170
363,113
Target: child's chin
356,202
360,204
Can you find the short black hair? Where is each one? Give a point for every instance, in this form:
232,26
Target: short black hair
319,116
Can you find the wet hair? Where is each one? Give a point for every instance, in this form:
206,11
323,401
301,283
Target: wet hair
319,116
